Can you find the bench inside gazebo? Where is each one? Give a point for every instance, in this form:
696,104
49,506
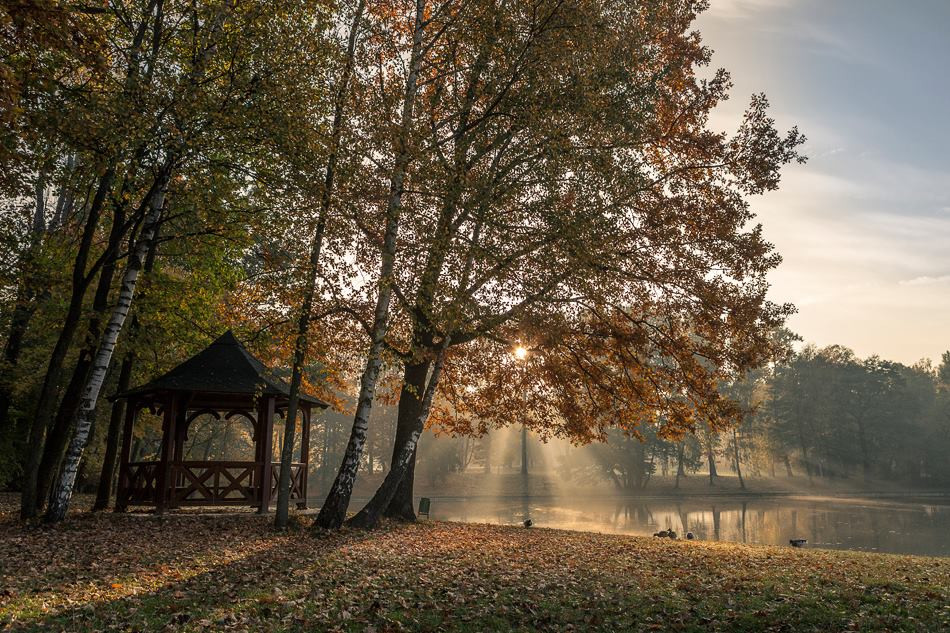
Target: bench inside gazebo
224,381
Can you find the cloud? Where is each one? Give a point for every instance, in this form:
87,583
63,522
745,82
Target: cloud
926,281
743,8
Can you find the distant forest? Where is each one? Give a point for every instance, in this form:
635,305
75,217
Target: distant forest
824,413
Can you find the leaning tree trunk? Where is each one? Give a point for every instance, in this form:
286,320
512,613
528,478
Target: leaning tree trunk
368,517
106,476
303,324
46,402
59,502
334,508
57,436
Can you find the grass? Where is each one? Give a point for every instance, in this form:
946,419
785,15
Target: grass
185,572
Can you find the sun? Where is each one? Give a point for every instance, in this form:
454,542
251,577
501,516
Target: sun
521,352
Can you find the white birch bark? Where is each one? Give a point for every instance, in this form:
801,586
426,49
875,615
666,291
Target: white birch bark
334,508
281,517
62,492
369,515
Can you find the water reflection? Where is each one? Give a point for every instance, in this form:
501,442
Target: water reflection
883,525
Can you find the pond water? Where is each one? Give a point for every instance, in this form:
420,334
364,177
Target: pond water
901,525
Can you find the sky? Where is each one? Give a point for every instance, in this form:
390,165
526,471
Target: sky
864,226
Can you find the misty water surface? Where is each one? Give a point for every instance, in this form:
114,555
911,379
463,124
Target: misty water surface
919,525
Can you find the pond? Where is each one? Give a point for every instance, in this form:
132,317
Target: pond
893,524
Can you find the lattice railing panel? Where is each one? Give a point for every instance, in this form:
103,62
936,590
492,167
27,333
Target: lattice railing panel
216,483
298,475
142,483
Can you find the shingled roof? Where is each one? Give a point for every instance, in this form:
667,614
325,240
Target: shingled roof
224,367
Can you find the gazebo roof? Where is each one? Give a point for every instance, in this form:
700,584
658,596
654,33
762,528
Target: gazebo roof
224,367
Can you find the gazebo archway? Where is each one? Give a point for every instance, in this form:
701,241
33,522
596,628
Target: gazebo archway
225,382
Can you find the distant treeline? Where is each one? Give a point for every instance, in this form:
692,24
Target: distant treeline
824,413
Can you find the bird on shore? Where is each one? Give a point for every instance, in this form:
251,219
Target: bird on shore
528,523
689,536
797,542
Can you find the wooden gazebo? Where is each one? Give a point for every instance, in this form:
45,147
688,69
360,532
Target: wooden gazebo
223,381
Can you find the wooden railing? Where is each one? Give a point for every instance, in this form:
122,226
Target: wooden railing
215,483
210,483
298,476
142,482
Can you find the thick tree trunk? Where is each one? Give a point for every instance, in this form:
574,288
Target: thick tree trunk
46,403
59,502
410,408
711,458
369,516
282,513
334,508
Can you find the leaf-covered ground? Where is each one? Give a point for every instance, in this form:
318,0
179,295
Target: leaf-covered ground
185,572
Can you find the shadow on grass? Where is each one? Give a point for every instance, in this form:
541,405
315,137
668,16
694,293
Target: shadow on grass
142,572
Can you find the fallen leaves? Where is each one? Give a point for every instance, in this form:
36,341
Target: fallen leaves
233,573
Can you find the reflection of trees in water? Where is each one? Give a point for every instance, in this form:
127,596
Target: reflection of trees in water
630,514
903,528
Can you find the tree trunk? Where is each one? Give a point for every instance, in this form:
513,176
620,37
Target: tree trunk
303,324
711,458
680,471
736,456
368,517
46,401
59,502
410,408
57,437
524,450
334,508
107,475
25,307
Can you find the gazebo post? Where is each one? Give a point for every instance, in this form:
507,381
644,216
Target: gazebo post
178,454
266,443
304,456
163,485
122,493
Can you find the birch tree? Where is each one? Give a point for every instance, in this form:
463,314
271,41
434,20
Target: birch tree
306,308
334,508
63,490
606,213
